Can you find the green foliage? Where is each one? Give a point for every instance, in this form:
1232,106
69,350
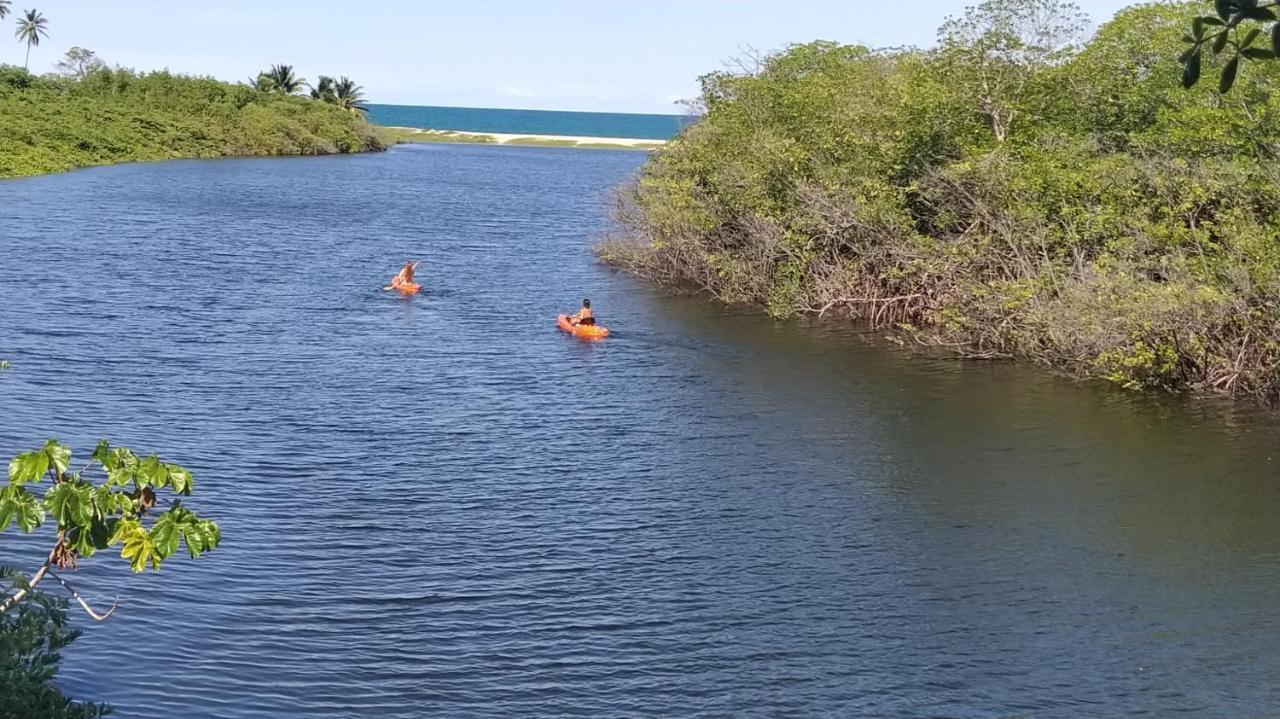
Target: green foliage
1080,208
79,62
1236,30
118,511
281,79
111,115
32,637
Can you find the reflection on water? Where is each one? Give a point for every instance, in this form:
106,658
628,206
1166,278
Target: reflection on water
443,507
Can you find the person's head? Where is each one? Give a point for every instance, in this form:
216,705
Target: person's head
586,303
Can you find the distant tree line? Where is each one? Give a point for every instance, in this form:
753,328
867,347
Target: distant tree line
343,92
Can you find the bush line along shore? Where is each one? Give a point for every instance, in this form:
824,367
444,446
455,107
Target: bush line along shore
1013,193
56,123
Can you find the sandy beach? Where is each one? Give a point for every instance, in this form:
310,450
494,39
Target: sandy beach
412,134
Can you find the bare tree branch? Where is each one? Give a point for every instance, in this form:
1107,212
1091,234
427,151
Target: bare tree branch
83,603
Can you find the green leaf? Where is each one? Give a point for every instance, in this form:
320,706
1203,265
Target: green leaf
28,467
59,456
1219,43
83,512
102,454
1228,78
1260,14
1249,37
121,467
151,472
8,510
1191,71
1275,40
1223,8
30,512
1210,20
180,479
60,502
1257,53
164,536
71,504
122,529
100,534
200,536
82,542
136,546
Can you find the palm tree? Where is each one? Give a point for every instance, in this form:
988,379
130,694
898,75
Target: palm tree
323,90
31,27
261,83
348,95
283,80
4,8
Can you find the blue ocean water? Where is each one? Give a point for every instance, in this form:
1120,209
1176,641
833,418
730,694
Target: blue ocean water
533,122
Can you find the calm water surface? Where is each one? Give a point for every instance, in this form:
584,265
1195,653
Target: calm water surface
440,506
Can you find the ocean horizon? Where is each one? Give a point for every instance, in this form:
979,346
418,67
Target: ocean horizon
531,122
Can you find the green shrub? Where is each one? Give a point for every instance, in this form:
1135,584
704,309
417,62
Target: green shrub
32,637
122,116
1075,207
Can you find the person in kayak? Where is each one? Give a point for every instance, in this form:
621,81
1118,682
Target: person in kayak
405,275
583,316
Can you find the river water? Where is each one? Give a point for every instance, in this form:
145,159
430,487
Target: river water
441,506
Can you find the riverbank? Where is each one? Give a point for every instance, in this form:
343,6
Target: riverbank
112,116
412,134
1088,214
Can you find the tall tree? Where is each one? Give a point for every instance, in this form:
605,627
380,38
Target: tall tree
261,83
323,90
31,27
348,95
997,47
79,62
4,8
284,81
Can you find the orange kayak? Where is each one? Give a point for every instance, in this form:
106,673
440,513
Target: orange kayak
586,332
405,288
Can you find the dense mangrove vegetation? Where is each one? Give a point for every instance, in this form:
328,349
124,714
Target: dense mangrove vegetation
91,115
1016,192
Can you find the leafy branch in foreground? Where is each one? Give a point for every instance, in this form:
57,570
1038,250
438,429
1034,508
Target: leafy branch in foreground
118,511
1238,25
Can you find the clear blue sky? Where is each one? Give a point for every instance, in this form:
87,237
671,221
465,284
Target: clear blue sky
605,55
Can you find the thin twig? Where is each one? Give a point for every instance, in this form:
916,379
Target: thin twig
84,604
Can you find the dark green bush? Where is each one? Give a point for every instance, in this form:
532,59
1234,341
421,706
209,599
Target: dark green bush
32,636
1075,206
